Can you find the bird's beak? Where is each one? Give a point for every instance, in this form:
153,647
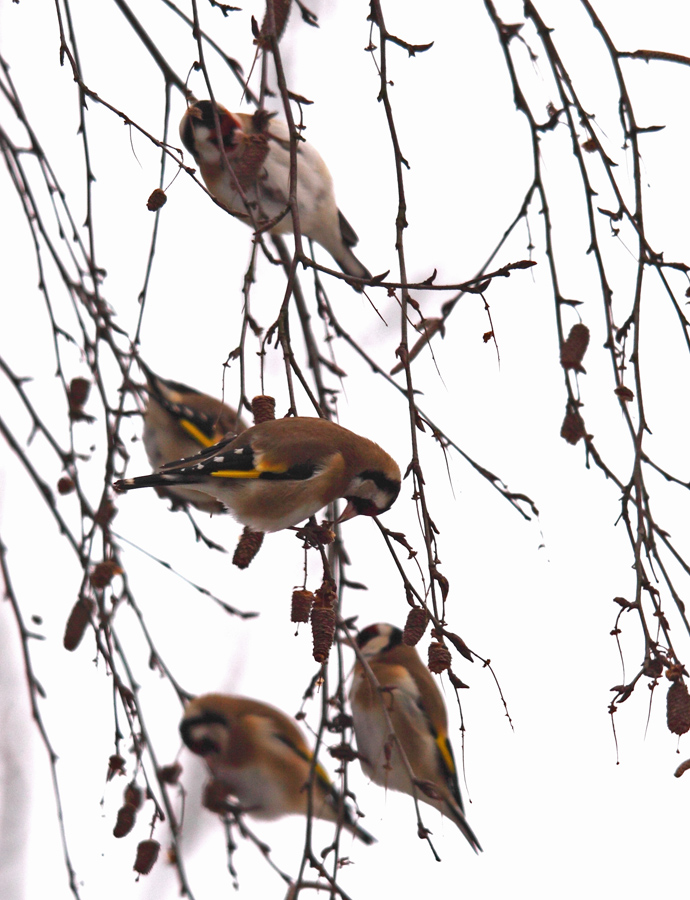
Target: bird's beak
349,512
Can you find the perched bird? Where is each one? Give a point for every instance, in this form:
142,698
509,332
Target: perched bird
258,755
179,421
419,719
257,149
277,474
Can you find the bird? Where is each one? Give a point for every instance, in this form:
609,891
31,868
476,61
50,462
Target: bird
179,421
259,756
277,474
419,720
257,149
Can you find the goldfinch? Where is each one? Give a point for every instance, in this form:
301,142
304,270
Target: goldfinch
419,718
259,756
257,148
179,421
277,474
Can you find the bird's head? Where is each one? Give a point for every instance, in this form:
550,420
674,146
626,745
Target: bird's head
378,638
199,131
372,492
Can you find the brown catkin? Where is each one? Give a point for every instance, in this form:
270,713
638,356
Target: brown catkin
76,623
78,393
575,347
147,854
322,629
439,657
301,605
415,626
133,796
126,817
573,428
263,408
157,198
248,546
65,485
678,708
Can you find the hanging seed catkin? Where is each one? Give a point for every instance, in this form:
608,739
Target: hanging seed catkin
147,854
323,622
678,708
575,347
248,546
263,408
439,657
415,626
301,605
126,817
78,619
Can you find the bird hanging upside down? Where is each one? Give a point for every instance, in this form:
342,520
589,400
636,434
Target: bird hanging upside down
258,755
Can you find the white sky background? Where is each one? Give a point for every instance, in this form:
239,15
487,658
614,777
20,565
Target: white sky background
555,814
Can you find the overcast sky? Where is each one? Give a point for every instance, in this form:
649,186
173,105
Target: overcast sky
557,806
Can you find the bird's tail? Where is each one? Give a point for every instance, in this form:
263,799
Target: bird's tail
453,811
350,265
356,829
158,479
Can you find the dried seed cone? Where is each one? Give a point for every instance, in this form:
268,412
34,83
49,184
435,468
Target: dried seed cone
65,485
322,630
247,547
157,198
573,428
575,347
133,796
439,657
76,623
126,817
678,708
263,408
415,626
301,606
147,854
78,392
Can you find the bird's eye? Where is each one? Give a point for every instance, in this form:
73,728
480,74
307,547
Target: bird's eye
204,746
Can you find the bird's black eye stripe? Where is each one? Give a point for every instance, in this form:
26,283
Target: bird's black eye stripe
301,472
206,718
188,725
382,482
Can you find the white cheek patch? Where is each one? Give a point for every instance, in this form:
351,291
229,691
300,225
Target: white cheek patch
376,644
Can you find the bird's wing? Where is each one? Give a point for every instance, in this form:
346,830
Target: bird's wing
241,461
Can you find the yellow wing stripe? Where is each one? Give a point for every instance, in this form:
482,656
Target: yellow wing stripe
233,473
198,436
444,750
